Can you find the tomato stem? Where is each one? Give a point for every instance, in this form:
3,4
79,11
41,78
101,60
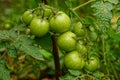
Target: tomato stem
104,54
114,71
45,1
76,15
82,5
56,57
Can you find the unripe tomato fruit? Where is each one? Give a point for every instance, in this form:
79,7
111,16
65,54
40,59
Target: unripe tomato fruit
93,36
47,12
7,26
60,22
73,60
39,27
92,64
27,16
81,48
78,29
67,41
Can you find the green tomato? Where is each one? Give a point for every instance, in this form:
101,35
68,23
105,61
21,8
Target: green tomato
47,12
27,31
27,16
93,36
92,64
73,60
81,48
39,27
7,26
67,41
78,29
60,22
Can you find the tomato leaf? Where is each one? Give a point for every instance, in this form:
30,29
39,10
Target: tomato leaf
113,35
67,77
4,71
103,13
32,51
75,72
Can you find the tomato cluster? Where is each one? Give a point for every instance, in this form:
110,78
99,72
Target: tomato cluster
77,56
44,19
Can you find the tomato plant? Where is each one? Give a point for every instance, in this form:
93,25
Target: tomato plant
63,40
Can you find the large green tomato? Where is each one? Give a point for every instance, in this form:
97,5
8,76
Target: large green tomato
60,22
27,16
78,29
92,64
39,27
67,41
73,60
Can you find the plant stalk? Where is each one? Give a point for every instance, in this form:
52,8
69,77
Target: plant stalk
114,71
45,1
104,54
76,15
83,5
56,57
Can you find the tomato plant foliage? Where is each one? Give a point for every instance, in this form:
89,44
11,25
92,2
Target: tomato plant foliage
82,29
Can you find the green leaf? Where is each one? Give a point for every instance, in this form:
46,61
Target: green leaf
113,1
32,51
103,13
25,40
98,74
75,72
11,51
67,77
46,54
113,35
6,35
4,72
45,42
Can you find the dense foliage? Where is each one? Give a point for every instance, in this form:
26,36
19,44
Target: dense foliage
65,39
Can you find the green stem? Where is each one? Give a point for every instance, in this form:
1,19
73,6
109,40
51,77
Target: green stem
83,5
104,54
76,15
114,71
56,57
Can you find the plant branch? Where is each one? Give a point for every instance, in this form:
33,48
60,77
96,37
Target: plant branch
114,71
76,15
56,57
45,1
104,54
83,5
